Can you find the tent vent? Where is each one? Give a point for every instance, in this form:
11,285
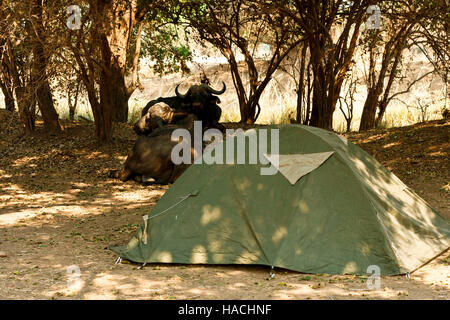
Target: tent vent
295,166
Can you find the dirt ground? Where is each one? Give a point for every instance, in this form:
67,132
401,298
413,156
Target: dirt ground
59,212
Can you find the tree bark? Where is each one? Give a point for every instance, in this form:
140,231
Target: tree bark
369,111
118,91
40,78
322,110
73,105
26,105
8,94
301,85
25,99
118,21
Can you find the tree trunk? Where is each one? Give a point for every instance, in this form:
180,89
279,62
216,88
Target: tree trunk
308,95
8,94
238,85
73,105
381,110
322,111
322,108
45,103
6,82
26,105
369,111
375,86
25,99
40,79
301,85
119,95
104,109
118,21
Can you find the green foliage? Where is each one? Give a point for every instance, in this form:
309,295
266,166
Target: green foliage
163,41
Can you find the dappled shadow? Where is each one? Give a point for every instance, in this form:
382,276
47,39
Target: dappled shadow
41,250
418,155
44,163
58,208
343,217
41,173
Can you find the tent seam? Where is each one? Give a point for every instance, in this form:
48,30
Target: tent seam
247,221
366,195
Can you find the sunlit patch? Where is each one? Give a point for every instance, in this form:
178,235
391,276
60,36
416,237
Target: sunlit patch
242,186
218,258
195,291
365,249
210,214
75,287
343,139
94,155
199,255
389,145
303,206
214,245
24,160
350,267
279,234
164,256
15,217
246,257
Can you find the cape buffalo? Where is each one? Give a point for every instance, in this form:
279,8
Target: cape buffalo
150,157
200,100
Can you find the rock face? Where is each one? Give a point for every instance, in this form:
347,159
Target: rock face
3,254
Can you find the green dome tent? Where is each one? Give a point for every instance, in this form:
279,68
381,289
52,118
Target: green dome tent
330,208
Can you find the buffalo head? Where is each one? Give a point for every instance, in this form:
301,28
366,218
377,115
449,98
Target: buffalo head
200,96
157,116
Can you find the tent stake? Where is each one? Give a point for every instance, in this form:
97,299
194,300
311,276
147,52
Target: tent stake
143,265
272,273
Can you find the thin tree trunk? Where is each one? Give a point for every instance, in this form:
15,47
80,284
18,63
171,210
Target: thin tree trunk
41,83
322,111
73,105
26,105
308,96
301,85
239,86
8,94
393,50
25,99
103,121
369,111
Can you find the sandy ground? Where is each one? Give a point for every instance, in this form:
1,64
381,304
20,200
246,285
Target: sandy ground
59,212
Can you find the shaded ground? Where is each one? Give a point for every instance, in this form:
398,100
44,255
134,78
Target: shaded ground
59,209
